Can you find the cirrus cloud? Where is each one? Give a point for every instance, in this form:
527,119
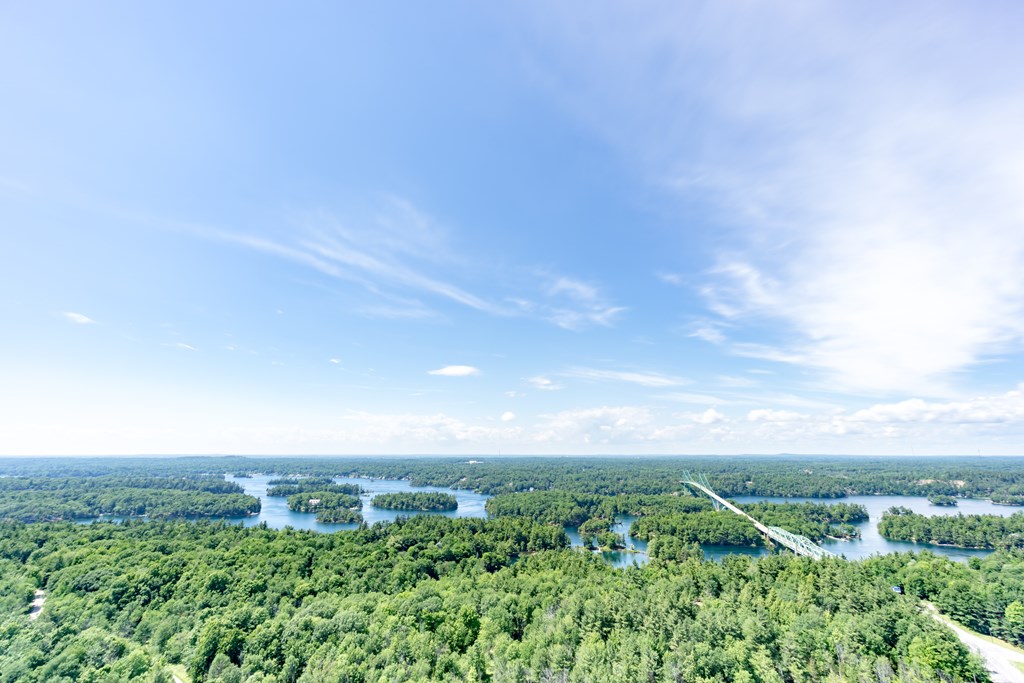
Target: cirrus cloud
455,371
78,318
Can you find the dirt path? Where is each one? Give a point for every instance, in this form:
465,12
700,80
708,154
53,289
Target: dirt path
37,604
998,658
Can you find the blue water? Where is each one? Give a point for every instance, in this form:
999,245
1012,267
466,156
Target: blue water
276,514
872,543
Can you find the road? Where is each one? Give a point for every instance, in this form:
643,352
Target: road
37,605
998,658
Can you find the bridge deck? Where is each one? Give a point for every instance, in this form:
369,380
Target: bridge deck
801,545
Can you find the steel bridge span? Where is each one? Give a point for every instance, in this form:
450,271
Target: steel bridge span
801,545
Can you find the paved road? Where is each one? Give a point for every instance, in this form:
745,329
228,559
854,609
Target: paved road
998,659
37,605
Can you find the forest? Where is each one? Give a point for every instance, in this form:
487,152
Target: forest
432,598
34,499
428,597
998,478
317,484
965,531
422,501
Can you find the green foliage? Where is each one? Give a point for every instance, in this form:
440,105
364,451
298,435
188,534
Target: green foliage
713,528
328,506
423,501
432,598
285,490
1002,479
573,509
813,520
965,531
942,500
55,498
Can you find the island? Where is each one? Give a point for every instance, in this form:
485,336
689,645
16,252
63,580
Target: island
420,502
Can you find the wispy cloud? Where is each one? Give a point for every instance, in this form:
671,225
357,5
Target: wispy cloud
608,425
456,371
707,417
575,305
644,379
398,252
867,163
674,279
387,251
78,318
425,431
542,383
710,333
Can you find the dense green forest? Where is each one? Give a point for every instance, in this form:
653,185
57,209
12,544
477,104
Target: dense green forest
432,598
58,498
688,518
941,500
572,509
423,501
711,528
290,489
813,520
965,531
1001,479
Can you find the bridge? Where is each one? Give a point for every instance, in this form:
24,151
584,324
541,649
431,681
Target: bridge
801,545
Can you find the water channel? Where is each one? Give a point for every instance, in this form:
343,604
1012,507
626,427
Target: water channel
276,514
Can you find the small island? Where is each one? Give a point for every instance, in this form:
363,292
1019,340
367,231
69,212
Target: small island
419,502
329,506
939,499
597,531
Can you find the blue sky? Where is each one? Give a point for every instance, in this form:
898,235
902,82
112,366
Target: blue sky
653,227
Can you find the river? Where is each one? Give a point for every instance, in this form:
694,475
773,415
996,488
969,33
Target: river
276,514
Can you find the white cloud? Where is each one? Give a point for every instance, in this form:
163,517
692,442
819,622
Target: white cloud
78,318
695,398
542,383
867,162
397,249
432,431
606,425
645,379
575,289
514,394
769,415
576,305
736,382
455,371
386,250
334,361
184,346
990,423
708,417
674,279
1005,408
508,416
709,333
